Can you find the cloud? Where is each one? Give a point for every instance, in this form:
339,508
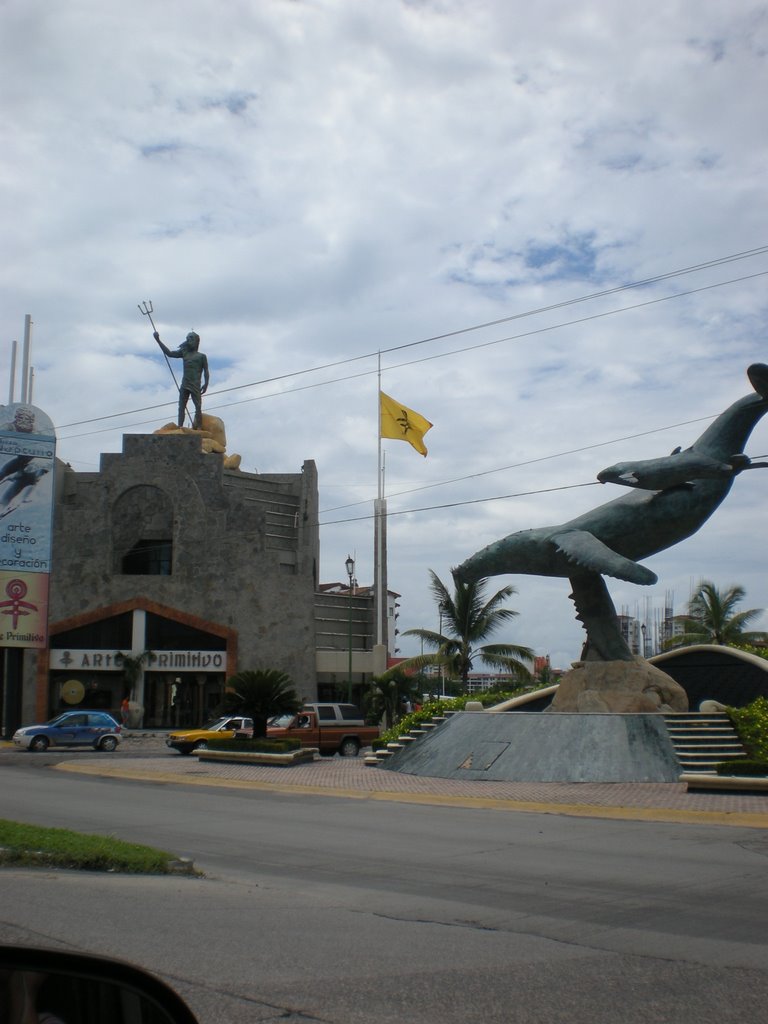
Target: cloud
308,183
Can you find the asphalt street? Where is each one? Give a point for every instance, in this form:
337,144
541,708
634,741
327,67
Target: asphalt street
327,898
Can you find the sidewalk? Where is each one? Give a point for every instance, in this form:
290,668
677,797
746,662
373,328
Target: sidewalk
351,778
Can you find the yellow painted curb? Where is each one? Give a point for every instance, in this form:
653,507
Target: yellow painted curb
735,819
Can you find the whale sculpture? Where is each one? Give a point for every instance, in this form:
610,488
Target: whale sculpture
676,470
611,539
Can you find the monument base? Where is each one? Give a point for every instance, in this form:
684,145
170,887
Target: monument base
533,747
618,687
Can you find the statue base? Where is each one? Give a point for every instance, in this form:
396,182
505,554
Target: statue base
618,687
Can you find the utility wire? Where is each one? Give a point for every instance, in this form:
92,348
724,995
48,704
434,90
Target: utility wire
412,362
527,462
465,330
458,504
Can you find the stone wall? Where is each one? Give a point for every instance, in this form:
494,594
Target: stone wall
243,548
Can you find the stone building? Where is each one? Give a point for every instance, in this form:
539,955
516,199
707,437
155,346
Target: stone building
170,573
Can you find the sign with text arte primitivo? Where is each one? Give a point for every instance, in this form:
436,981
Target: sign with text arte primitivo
27,460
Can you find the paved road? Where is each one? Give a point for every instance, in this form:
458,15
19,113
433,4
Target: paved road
384,909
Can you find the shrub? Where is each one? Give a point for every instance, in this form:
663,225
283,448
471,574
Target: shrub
257,746
759,768
435,708
751,723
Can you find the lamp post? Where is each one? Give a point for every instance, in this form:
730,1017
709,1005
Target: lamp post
350,566
442,667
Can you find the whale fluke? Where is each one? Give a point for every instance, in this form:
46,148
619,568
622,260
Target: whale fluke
758,378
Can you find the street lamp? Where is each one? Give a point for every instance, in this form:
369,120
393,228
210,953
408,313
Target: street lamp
350,566
442,667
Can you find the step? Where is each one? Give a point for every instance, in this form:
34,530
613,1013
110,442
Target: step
703,748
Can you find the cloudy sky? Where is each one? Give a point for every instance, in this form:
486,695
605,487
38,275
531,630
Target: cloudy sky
549,219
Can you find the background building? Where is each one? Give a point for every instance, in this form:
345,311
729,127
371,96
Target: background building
348,656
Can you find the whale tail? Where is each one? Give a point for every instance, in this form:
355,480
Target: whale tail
758,378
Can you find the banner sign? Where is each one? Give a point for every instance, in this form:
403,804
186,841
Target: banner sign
27,454
158,661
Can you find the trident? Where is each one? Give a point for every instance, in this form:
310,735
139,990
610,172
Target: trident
147,309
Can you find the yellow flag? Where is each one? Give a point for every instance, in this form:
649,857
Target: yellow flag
402,423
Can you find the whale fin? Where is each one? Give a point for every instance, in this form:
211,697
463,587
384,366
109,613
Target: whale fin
586,551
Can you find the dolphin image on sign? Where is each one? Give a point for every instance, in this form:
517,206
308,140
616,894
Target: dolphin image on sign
611,539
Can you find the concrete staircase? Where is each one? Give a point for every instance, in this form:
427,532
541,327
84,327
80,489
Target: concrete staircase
702,741
379,756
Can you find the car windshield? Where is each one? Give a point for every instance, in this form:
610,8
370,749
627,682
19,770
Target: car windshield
58,719
281,721
215,724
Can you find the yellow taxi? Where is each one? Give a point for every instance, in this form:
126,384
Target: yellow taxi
187,740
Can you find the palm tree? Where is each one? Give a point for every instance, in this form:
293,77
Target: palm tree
260,694
712,618
467,620
132,666
389,694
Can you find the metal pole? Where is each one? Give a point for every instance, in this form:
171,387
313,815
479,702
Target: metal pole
147,309
25,358
350,565
12,383
442,667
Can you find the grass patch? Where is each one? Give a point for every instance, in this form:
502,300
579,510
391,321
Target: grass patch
33,846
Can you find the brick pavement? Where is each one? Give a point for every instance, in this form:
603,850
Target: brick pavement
351,778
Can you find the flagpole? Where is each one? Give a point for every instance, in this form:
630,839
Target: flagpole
379,520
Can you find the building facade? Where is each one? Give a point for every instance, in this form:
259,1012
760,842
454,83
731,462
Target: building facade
170,574
348,656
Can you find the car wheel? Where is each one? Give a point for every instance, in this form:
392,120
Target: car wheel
107,743
200,745
349,748
39,744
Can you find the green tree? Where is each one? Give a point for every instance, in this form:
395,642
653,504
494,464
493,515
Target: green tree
468,619
131,666
712,618
260,694
389,694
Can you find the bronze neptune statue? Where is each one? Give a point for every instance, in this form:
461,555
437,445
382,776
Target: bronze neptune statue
195,372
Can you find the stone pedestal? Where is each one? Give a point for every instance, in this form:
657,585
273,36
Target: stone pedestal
618,687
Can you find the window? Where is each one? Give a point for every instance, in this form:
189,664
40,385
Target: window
149,558
112,633
168,635
142,532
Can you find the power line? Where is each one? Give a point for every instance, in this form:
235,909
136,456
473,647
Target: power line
545,458
458,504
465,330
527,462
